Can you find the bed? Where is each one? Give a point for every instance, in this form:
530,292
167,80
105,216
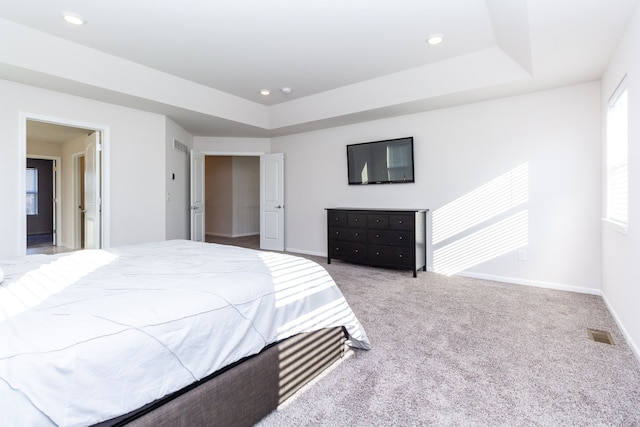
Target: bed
165,333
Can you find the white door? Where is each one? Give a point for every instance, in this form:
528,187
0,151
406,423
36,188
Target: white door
92,192
272,202
197,196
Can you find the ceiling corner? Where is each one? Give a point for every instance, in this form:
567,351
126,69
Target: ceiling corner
510,21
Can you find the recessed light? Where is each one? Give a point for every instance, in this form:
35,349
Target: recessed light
265,92
286,90
73,18
435,39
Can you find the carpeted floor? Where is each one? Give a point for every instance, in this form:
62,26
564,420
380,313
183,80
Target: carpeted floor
453,351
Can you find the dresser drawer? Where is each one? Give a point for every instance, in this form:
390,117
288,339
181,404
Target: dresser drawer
392,256
337,218
391,237
348,234
401,221
348,251
377,220
357,219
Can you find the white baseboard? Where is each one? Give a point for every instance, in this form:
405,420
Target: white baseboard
305,252
232,236
634,346
533,283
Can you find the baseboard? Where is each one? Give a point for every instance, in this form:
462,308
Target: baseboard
634,346
533,283
305,252
232,236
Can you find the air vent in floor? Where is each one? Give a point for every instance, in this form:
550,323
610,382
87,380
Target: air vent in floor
600,336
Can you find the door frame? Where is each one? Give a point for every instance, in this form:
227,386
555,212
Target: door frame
77,217
57,194
197,192
23,117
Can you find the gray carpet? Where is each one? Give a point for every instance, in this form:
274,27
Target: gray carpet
465,352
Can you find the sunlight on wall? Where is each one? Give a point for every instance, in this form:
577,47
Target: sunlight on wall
37,285
482,204
488,243
473,229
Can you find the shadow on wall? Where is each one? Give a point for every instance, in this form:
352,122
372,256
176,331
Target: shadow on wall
483,224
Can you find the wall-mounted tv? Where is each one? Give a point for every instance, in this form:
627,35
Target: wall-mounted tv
381,162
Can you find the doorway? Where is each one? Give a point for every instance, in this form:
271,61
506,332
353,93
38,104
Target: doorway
62,141
232,200
40,182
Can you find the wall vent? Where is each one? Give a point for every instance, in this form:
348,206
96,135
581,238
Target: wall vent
179,146
600,336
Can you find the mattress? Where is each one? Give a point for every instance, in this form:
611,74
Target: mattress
94,334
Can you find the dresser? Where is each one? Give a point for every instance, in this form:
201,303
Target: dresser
378,237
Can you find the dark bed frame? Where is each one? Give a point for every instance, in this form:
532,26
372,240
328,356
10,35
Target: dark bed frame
245,392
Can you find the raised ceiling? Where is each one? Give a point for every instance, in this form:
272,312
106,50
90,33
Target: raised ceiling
203,62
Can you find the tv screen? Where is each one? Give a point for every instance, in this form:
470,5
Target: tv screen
381,162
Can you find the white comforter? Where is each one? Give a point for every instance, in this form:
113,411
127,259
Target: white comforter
90,335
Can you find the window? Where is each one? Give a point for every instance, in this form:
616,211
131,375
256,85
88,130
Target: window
32,191
618,157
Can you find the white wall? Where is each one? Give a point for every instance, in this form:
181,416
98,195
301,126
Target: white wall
231,146
457,150
135,163
177,181
621,252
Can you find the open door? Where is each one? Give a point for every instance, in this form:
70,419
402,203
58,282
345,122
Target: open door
272,201
92,192
197,196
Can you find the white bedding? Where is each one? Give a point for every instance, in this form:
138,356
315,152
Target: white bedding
91,335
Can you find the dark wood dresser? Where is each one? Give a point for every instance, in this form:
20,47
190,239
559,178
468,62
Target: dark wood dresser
378,237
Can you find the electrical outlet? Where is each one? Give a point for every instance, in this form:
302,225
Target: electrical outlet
522,254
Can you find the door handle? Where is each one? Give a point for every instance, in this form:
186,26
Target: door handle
278,207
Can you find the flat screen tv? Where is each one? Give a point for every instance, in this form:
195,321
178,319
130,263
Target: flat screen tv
381,162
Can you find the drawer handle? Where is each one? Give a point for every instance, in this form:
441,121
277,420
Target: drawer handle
400,238
377,236
357,219
401,256
377,253
337,249
356,234
337,218
357,251
337,233
400,221
377,219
